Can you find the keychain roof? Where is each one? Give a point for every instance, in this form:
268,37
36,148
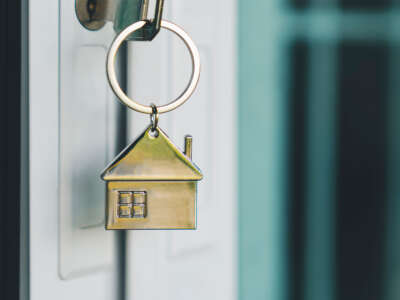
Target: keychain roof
152,158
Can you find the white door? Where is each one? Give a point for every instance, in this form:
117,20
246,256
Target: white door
197,264
73,119
72,137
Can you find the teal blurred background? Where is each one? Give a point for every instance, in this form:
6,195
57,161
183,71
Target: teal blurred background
319,146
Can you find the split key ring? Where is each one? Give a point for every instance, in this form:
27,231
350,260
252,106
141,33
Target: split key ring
112,78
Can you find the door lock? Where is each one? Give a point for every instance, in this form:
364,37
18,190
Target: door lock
94,14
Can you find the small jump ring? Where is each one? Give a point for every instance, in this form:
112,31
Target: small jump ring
112,78
154,117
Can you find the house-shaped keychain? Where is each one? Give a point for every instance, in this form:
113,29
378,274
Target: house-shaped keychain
152,185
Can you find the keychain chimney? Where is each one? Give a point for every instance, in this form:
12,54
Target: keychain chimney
188,146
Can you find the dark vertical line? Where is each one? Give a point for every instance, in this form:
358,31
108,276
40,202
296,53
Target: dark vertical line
24,286
10,150
299,4
372,5
122,141
297,167
362,169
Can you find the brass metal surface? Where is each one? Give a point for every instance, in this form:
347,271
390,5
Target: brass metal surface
152,185
152,158
188,146
93,14
169,205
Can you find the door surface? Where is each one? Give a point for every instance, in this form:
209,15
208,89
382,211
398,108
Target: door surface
72,137
74,123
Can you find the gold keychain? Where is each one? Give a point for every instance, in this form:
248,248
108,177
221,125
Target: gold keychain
151,184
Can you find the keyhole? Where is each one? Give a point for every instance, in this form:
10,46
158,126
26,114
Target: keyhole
91,8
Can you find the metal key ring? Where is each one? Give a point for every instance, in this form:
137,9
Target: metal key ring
112,78
154,117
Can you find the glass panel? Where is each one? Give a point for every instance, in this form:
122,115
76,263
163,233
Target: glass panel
299,4
362,169
298,70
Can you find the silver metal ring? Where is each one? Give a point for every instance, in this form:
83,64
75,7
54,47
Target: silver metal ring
154,117
112,78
